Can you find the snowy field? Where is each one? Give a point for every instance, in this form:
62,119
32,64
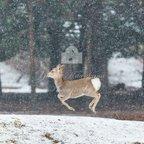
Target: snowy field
42,129
9,76
128,71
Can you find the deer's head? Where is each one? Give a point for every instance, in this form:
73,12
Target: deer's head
57,72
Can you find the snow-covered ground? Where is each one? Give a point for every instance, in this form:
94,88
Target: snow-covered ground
45,129
125,70
9,76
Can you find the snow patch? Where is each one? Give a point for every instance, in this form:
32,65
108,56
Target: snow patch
30,129
9,76
125,70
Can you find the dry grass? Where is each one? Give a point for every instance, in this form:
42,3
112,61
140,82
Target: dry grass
49,136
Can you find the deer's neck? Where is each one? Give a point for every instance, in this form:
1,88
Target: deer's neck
59,83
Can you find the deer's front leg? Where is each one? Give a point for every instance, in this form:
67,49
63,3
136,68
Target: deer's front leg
63,99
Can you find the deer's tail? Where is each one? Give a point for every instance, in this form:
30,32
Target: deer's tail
96,83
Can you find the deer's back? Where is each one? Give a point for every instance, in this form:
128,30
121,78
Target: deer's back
77,88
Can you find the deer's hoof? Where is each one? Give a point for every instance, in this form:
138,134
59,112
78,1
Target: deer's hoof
94,111
90,107
72,109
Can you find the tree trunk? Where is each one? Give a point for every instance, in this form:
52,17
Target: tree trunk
85,38
97,65
53,63
143,76
55,52
101,68
31,47
0,86
88,57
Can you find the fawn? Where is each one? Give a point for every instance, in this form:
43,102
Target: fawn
68,89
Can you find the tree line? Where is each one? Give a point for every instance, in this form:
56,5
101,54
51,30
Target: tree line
97,28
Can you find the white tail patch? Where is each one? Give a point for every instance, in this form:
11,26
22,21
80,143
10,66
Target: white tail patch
96,83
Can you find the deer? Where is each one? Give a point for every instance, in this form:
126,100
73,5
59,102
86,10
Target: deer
71,89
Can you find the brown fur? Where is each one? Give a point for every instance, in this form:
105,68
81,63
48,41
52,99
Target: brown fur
69,89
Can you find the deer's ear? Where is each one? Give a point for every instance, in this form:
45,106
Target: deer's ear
60,67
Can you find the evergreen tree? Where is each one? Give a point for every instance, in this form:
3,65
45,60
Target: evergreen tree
13,22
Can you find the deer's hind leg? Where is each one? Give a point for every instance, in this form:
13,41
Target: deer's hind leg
63,99
91,104
95,101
